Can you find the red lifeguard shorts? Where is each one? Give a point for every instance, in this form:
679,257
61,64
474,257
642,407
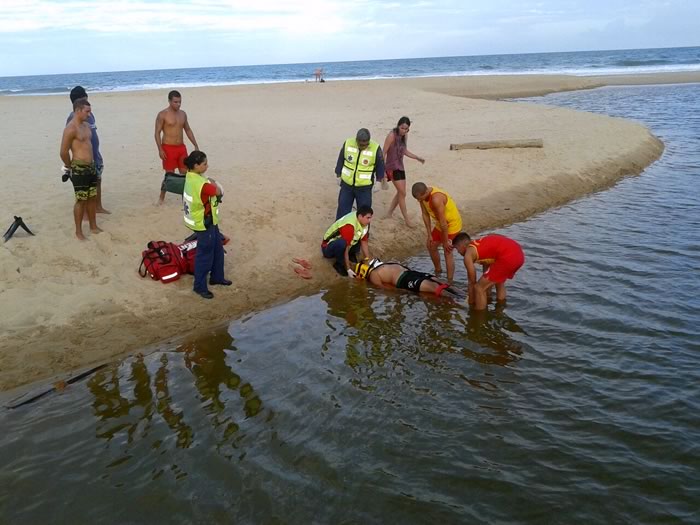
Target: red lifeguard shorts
505,266
175,155
436,235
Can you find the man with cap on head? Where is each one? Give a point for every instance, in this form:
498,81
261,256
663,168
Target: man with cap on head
359,162
76,93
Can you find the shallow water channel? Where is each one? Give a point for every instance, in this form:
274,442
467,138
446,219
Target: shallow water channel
578,402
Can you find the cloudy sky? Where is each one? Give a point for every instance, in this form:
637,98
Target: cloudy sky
75,36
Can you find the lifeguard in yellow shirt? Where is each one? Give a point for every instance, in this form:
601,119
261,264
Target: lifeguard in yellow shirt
437,206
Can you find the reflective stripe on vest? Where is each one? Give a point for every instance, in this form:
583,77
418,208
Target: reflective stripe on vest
333,232
358,166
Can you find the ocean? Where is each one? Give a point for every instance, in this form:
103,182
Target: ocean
632,61
577,402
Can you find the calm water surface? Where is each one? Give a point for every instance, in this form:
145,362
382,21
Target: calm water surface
579,402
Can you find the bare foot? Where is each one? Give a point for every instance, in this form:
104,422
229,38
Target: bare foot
96,230
410,225
389,216
102,210
438,271
160,202
80,236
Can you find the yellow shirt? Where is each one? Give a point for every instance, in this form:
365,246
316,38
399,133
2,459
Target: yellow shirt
452,216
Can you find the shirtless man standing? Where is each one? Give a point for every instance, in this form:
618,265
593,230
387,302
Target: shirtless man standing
79,165
170,123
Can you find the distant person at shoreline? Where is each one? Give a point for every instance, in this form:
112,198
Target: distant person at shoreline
201,198
359,161
500,256
401,277
438,206
318,75
347,236
395,148
170,124
79,166
76,93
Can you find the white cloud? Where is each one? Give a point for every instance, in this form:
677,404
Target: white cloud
142,16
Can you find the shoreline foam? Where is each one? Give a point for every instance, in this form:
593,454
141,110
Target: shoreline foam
66,304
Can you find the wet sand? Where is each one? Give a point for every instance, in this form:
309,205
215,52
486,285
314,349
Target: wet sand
66,304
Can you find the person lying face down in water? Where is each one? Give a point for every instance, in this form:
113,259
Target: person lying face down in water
397,275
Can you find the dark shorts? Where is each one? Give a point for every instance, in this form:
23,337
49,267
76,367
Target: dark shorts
395,175
84,179
410,280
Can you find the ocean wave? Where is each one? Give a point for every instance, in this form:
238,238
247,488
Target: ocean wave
637,63
36,91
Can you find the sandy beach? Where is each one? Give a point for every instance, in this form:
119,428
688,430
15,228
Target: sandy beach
66,304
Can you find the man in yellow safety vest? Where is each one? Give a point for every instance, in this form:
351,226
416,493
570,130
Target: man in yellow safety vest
360,161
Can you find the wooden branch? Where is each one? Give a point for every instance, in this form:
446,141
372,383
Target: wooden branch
514,143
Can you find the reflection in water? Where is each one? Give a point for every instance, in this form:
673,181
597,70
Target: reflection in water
128,398
385,327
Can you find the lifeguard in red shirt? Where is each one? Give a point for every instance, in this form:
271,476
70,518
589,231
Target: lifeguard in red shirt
500,257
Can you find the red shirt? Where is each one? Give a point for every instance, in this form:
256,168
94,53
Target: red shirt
347,232
208,190
493,247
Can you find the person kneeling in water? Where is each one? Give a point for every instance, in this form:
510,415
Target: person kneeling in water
396,275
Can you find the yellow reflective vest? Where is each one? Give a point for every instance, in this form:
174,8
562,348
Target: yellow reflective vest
333,232
193,205
358,166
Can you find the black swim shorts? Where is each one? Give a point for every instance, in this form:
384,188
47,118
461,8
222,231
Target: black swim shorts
410,280
84,179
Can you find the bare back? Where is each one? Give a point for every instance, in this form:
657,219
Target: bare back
387,273
171,124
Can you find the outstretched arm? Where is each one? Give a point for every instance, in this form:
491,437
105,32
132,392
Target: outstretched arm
190,133
414,156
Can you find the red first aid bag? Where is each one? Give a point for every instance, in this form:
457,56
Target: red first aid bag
163,261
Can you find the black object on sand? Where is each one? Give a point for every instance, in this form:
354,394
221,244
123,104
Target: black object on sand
13,228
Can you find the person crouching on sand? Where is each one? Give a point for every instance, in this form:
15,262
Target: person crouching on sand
347,236
201,198
500,256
